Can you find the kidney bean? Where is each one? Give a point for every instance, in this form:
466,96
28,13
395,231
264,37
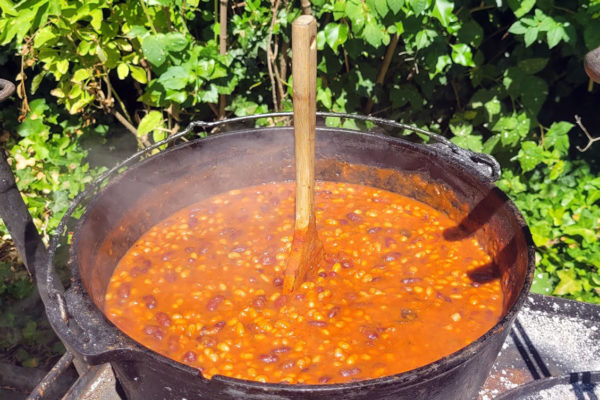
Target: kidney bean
318,324
324,379
192,222
269,237
278,282
391,256
167,256
442,296
319,289
265,208
343,221
238,249
214,302
299,297
207,341
408,281
268,260
274,201
150,301
282,349
253,328
268,358
405,233
374,230
388,241
280,301
288,364
332,274
322,274
259,301
154,331
408,314
189,357
333,312
170,276
354,217
346,372
220,325
173,343
124,290
347,264
163,319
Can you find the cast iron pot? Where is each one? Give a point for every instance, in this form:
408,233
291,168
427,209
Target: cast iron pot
117,213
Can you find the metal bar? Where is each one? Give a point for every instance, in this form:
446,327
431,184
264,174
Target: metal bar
18,221
98,383
56,371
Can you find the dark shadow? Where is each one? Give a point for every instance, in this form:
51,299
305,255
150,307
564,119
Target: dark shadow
478,216
536,366
583,386
485,274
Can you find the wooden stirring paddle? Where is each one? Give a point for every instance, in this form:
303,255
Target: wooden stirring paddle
307,250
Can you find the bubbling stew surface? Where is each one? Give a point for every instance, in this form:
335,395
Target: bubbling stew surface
203,287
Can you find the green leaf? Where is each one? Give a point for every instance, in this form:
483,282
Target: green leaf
534,91
80,75
8,7
461,54
175,42
470,142
174,78
542,283
418,6
591,35
35,82
150,121
122,71
32,127
373,33
557,137
442,10
557,170
518,28
395,5
44,35
530,155
568,284
471,33
555,35
356,13
335,35
530,36
533,65
62,66
139,74
382,7
521,7
154,50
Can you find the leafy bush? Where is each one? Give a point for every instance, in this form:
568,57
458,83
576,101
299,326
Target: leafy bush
498,77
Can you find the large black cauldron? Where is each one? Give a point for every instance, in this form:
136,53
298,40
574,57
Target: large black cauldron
439,174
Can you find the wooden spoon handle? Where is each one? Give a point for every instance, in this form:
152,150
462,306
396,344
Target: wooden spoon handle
304,72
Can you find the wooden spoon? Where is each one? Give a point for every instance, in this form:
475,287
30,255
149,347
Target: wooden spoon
307,250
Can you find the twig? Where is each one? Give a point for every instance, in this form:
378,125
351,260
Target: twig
456,96
387,59
112,91
306,9
591,139
148,16
270,56
222,48
124,122
282,75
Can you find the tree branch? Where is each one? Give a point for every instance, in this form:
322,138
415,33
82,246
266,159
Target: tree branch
387,59
222,48
270,55
591,139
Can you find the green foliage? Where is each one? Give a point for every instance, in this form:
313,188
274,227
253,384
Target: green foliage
496,77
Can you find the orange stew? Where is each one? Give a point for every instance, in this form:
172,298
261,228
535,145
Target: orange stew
203,287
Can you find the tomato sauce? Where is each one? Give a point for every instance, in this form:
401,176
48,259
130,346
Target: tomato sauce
203,287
